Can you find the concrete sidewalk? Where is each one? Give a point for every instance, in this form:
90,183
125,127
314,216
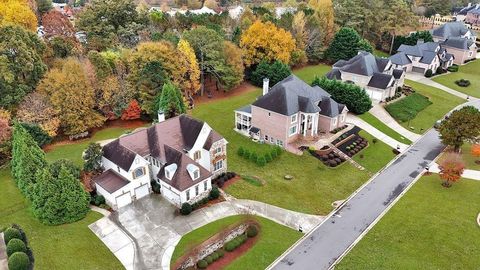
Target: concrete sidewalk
353,119
422,79
469,174
379,112
3,254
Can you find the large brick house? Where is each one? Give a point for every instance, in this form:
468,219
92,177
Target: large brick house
458,40
289,111
374,74
181,154
422,57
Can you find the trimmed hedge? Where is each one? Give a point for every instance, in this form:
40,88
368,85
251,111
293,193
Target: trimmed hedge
19,261
235,243
260,159
429,73
16,245
202,264
12,233
453,68
223,178
214,193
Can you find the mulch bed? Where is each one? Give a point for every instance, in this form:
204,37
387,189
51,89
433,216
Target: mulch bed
355,130
231,181
231,256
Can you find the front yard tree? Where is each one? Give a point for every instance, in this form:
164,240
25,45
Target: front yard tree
266,42
73,96
27,159
93,158
460,126
475,151
398,18
59,200
22,70
171,101
451,169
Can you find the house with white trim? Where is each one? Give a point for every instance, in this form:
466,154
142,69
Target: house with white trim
181,154
422,57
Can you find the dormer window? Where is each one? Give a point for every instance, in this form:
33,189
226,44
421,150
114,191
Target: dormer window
138,172
170,171
193,171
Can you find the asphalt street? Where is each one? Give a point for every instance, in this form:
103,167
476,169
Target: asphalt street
322,247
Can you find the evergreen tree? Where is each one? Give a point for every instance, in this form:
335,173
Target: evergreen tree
345,45
59,200
27,159
44,5
93,158
152,77
171,101
274,72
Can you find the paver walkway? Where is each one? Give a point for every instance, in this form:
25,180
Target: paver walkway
469,174
3,254
422,79
351,118
156,229
379,112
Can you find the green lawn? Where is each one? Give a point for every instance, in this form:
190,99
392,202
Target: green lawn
467,157
309,73
375,156
431,227
407,108
470,71
442,103
381,53
70,246
372,120
314,186
273,240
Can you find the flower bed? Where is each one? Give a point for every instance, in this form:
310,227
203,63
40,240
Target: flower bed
353,145
336,130
223,178
345,135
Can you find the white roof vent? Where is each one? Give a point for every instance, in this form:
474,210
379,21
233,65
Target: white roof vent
170,171
193,171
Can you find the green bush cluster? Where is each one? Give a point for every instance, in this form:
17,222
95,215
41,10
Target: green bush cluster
155,187
408,107
453,68
235,243
463,83
19,261
252,231
20,256
15,245
97,200
11,233
188,208
259,159
275,72
203,263
429,73
353,96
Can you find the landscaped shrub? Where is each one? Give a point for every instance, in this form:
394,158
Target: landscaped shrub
12,233
261,161
215,256
253,157
439,70
241,151
202,264
214,193
186,209
99,200
15,245
155,187
209,259
463,83
18,261
453,68
429,73
252,231
220,253
268,157
353,96
230,246
246,154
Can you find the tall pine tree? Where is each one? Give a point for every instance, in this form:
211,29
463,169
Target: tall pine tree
171,101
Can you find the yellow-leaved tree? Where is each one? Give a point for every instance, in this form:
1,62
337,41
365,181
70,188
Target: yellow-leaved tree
72,96
17,12
192,83
324,17
266,42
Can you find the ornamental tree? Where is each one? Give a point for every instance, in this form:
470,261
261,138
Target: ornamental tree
19,13
451,169
192,85
475,151
57,24
460,126
132,112
37,109
265,42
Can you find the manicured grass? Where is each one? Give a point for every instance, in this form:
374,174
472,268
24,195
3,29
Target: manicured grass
69,246
73,151
407,108
375,155
431,227
309,73
314,186
372,120
381,53
442,103
467,158
273,240
470,71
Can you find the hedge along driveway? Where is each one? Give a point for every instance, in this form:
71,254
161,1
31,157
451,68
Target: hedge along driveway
314,186
273,240
470,71
442,103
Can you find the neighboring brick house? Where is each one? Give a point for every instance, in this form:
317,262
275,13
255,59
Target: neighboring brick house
289,111
421,57
376,75
182,154
458,40
473,15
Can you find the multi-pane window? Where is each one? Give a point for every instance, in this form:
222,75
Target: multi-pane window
218,165
294,118
218,150
292,130
196,174
139,172
197,155
280,143
205,184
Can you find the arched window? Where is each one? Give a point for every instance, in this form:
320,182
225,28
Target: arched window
138,172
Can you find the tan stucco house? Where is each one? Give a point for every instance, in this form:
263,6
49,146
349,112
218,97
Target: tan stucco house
289,111
374,74
458,40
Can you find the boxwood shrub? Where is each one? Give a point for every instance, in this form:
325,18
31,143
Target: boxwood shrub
15,245
18,261
202,264
252,231
11,233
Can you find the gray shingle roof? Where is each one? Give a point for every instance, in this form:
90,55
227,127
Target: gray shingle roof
334,74
363,64
380,80
292,95
459,43
427,52
452,29
397,73
400,58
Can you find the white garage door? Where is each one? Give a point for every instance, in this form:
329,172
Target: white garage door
141,191
124,199
418,70
374,95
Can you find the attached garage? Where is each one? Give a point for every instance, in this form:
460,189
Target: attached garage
418,70
124,199
374,95
142,191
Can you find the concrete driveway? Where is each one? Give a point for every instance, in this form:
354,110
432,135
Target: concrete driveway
155,229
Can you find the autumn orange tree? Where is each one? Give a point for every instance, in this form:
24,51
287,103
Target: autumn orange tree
451,169
132,112
475,151
266,42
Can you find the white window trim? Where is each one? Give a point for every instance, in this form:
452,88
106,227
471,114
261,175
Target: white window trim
290,133
293,118
220,167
